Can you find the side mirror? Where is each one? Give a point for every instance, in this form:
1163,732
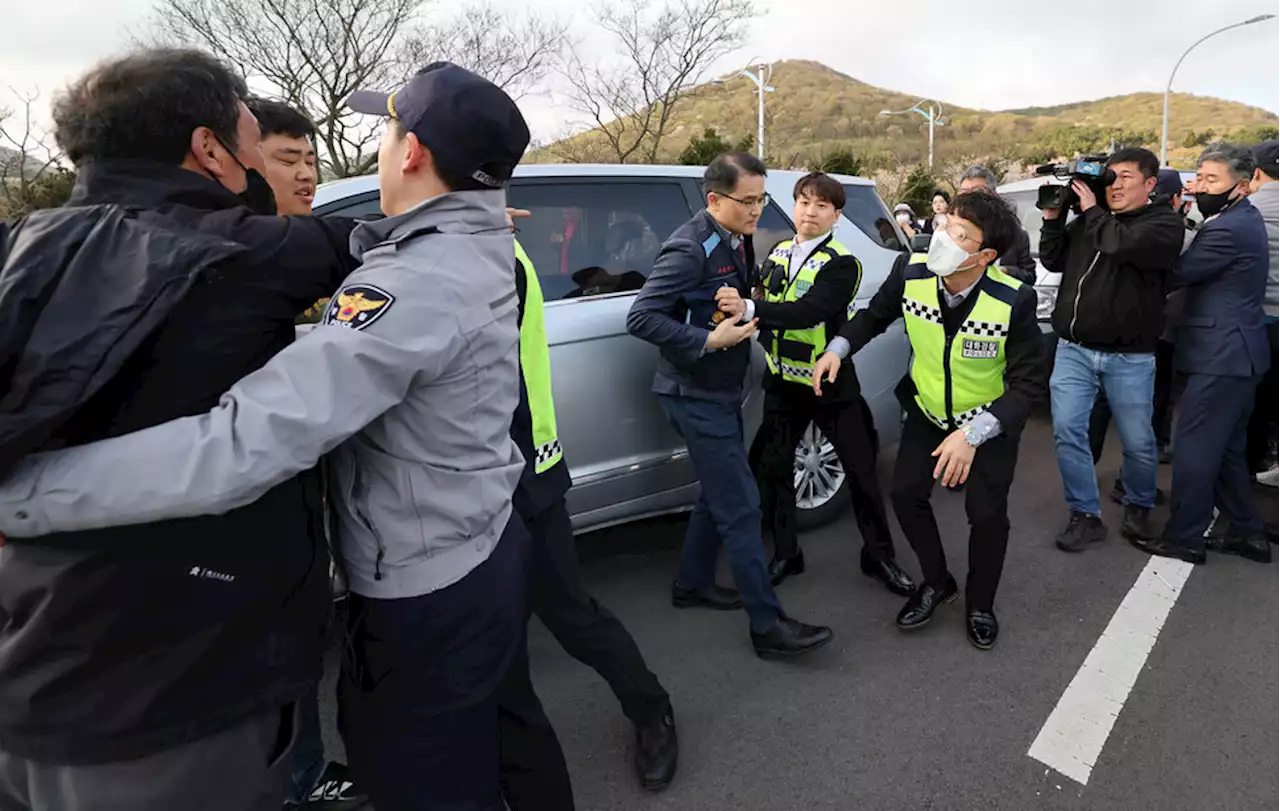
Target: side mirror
920,243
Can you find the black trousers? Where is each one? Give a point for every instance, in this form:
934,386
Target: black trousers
986,501
849,428
1261,448
435,701
585,629
1209,466
1164,399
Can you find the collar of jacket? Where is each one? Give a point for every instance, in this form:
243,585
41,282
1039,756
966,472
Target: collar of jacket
459,212
146,184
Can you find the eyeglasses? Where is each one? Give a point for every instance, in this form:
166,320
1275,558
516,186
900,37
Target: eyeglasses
758,203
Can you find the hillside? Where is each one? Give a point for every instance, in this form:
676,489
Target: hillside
817,110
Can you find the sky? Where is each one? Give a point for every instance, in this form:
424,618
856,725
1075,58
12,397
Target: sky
983,54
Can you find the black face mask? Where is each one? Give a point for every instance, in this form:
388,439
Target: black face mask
257,194
1210,204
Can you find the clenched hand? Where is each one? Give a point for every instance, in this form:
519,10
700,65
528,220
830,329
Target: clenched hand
730,301
829,365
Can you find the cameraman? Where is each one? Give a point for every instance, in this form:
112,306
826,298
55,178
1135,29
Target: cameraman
1109,317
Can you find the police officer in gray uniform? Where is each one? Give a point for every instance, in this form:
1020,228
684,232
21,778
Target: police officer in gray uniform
411,380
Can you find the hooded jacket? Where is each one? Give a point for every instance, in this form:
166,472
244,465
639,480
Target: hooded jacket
1114,269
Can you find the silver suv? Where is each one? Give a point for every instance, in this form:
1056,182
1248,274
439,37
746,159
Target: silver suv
594,233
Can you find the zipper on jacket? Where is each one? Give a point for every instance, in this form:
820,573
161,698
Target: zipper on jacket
1075,309
946,378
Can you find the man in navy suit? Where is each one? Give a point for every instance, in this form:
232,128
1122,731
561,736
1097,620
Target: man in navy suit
1222,348
704,359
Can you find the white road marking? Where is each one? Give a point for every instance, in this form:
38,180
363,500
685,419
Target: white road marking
1072,738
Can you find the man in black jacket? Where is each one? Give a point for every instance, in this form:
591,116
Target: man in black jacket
156,666
1017,260
804,296
1109,316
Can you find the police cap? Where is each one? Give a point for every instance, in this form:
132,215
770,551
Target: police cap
471,126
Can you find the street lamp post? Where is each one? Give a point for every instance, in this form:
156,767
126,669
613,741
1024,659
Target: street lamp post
761,78
1164,126
933,115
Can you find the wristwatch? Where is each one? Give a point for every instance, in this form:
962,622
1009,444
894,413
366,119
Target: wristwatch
971,435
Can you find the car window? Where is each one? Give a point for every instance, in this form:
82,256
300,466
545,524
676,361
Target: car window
360,208
772,229
864,208
592,239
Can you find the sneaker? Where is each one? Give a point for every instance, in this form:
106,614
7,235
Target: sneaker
1270,477
1082,531
334,791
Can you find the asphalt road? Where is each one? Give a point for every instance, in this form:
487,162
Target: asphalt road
883,720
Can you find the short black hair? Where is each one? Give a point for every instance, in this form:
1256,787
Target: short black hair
723,173
452,178
822,186
940,193
994,216
1147,161
146,105
278,118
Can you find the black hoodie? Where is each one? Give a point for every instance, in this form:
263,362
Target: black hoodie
1113,270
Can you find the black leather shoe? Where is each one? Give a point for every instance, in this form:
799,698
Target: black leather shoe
788,637
718,598
1083,530
1253,547
782,568
1166,549
1137,523
919,609
982,629
657,751
890,575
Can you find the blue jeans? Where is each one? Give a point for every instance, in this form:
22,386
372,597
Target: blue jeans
308,752
1128,380
728,510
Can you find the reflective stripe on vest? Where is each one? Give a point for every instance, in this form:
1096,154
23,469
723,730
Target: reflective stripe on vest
792,353
956,379
535,366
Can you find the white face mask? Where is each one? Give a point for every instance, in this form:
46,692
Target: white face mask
945,256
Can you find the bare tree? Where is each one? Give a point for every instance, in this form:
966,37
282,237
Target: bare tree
314,53
31,175
665,51
514,52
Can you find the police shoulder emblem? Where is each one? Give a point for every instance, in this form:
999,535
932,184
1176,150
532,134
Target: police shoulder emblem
357,306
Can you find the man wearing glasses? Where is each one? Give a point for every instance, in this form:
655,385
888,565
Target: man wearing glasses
704,359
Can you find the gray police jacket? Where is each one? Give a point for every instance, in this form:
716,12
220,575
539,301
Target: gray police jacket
411,379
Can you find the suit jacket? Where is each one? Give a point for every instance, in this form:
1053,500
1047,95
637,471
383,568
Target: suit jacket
1017,261
676,309
1224,273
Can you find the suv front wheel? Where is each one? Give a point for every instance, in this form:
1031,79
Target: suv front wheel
821,483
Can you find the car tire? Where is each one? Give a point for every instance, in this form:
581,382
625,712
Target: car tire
817,503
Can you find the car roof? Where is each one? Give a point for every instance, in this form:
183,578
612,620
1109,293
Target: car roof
1038,181
346,187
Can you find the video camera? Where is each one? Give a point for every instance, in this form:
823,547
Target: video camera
1091,169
